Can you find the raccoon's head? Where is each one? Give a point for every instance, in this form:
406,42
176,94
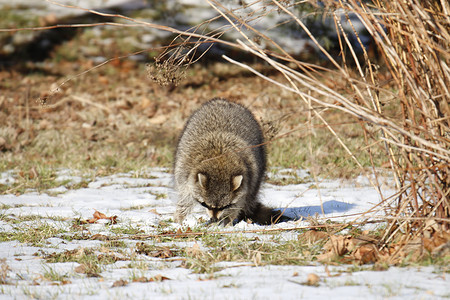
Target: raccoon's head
220,194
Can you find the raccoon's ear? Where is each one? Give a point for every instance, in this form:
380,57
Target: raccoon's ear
202,180
236,182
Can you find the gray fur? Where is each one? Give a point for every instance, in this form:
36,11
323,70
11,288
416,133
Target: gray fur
220,163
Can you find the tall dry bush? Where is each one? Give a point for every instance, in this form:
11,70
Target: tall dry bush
414,40
405,113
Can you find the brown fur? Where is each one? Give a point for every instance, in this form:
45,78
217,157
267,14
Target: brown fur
220,163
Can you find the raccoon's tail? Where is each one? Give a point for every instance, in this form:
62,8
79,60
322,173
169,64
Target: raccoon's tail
264,215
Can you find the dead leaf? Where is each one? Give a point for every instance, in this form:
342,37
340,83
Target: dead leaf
99,237
327,256
81,269
366,254
158,120
158,278
2,143
158,251
312,280
313,236
335,247
380,266
90,221
163,252
153,210
124,104
120,283
103,79
99,215
437,239
338,244
207,278
141,279
441,251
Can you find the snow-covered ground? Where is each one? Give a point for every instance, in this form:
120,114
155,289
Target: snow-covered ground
145,201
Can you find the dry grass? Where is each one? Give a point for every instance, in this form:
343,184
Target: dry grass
403,112
389,110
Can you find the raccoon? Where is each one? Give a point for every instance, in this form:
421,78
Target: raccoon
220,162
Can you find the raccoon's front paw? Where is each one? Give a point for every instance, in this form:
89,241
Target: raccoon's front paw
178,218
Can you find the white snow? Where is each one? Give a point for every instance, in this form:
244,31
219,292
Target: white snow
138,203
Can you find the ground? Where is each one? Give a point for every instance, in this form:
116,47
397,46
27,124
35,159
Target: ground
52,246
87,135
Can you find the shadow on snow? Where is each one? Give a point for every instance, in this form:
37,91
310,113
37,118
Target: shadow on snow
298,213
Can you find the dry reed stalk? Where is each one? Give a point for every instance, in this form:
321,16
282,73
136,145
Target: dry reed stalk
413,39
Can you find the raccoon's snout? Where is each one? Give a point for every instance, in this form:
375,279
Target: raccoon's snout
215,214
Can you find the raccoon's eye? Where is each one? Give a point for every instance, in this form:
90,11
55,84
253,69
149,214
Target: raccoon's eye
203,204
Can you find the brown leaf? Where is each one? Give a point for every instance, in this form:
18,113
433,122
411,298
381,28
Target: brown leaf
99,237
158,278
158,120
81,269
99,215
33,173
163,252
207,278
437,239
313,236
2,143
360,240
335,247
160,251
338,244
380,266
93,220
366,254
153,210
312,280
119,283
441,251
141,279
327,256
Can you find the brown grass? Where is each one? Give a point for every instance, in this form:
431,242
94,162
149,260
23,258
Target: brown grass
415,137
396,102
403,112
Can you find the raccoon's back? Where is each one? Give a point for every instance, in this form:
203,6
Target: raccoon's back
219,115
217,127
